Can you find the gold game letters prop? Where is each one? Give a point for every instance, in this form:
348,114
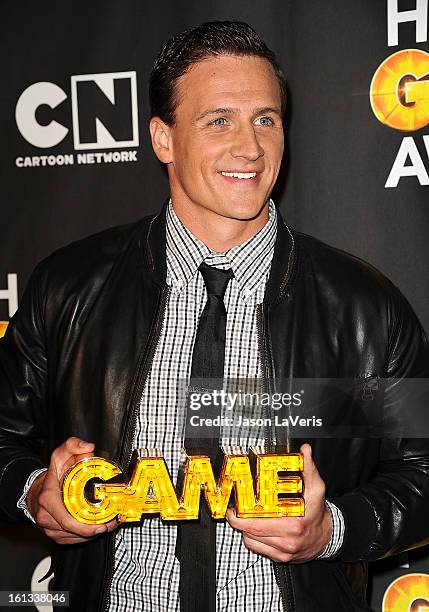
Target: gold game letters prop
150,489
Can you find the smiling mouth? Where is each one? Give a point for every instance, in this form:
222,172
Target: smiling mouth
240,175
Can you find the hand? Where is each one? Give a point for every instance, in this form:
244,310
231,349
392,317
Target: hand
291,539
45,500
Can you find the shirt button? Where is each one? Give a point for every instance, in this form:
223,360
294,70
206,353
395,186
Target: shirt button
179,283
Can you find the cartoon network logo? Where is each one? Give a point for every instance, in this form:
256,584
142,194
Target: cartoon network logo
408,593
104,115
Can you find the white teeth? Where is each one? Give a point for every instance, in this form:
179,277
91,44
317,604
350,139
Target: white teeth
240,175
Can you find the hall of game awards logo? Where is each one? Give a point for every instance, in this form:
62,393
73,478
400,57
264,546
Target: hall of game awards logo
104,114
10,295
399,92
409,593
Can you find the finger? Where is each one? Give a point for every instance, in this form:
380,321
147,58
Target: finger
64,536
70,463
313,483
71,447
59,537
248,525
56,534
284,545
233,519
259,525
310,469
63,542
46,521
112,525
266,550
75,528
268,527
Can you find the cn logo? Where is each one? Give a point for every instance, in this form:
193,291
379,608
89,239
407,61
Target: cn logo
409,593
104,112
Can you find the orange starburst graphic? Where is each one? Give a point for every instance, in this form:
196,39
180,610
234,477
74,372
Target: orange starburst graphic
409,593
3,325
399,91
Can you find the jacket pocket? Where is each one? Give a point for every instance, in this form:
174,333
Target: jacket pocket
348,574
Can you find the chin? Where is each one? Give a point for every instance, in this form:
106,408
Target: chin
244,212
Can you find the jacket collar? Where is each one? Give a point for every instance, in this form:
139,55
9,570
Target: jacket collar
154,249
154,246
284,260
250,261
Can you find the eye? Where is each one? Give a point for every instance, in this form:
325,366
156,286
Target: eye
218,121
264,121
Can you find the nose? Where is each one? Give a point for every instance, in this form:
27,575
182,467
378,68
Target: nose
246,144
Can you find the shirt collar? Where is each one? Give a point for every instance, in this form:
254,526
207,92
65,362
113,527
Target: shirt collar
250,261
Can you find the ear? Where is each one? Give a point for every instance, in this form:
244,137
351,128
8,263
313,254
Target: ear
160,134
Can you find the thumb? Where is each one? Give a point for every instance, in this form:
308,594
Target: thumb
64,456
312,480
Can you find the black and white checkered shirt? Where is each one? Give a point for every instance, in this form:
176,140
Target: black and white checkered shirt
146,574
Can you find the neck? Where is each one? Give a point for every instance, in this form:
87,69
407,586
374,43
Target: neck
217,232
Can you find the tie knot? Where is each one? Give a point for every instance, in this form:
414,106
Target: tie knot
216,280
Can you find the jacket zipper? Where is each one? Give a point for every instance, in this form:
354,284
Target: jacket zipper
143,370
283,578
268,441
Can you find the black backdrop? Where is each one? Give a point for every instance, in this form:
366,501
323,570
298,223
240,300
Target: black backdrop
63,177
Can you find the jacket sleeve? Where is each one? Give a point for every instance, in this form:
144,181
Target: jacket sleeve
390,513
23,398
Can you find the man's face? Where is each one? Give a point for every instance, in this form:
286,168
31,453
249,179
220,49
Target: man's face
227,142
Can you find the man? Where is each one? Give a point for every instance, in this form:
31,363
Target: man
108,327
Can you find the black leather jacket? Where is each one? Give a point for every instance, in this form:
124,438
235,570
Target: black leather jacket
76,354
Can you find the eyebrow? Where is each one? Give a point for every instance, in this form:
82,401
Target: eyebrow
233,111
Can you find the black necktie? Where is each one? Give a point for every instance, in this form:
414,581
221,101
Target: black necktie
196,540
